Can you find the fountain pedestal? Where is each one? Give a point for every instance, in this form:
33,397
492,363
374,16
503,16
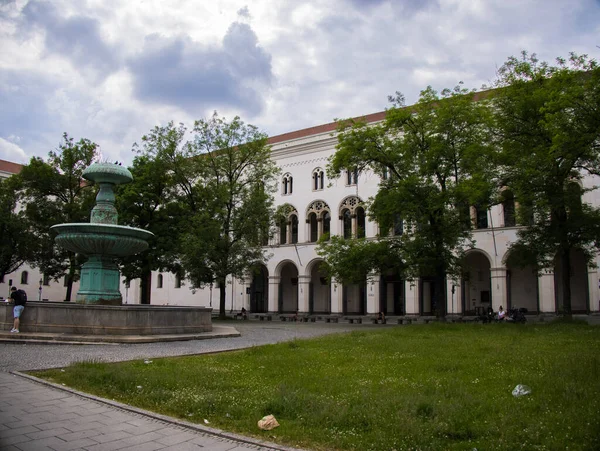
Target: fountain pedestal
102,240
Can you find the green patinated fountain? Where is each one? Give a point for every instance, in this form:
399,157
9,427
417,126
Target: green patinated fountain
102,240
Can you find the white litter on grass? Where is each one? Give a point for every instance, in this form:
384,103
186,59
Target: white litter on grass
206,421
139,387
521,390
62,371
147,361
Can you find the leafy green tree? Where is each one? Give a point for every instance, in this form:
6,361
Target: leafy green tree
434,162
548,126
16,238
149,202
237,179
224,180
55,192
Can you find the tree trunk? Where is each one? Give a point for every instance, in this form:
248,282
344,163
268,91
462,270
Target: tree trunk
440,292
222,288
565,263
145,287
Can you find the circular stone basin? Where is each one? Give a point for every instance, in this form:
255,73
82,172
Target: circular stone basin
101,239
107,173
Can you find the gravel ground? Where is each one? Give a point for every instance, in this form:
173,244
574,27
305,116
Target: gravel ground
23,357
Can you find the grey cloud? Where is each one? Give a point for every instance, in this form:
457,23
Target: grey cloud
245,12
183,73
76,37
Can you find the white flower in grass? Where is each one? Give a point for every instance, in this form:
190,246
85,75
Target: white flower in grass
139,387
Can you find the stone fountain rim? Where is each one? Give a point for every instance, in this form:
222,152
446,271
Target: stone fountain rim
95,227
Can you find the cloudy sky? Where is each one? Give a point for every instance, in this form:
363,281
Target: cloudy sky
110,70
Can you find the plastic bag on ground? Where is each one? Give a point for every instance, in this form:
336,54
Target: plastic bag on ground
521,390
267,423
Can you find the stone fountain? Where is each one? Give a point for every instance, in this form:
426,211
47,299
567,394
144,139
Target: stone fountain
98,314
102,240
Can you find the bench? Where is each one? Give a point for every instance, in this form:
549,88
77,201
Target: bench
354,320
264,317
378,321
306,319
405,320
288,318
331,319
240,315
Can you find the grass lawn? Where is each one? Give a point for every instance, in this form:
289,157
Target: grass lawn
440,386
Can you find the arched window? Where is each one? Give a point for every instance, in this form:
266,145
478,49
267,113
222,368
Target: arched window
287,184
177,281
318,179
24,277
294,225
481,217
360,222
353,218
508,208
347,221
159,281
352,176
326,224
398,226
45,279
314,227
283,231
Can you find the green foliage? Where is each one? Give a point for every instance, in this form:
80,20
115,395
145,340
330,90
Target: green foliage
220,187
438,386
436,160
54,192
548,127
15,235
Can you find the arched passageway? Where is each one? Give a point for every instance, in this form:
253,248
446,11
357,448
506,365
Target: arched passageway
392,294
355,298
579,283
319,300
521,286
259,290
288,288
476,294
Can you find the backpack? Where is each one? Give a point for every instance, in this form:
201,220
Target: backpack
23,295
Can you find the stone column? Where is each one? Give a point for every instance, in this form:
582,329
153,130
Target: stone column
336,297
594,290
373,294
274,293
412,297
303,293
498,282
547,293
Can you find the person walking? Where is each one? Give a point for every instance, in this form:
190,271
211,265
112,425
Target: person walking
20,299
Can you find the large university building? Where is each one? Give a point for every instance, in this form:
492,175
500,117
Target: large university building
293,280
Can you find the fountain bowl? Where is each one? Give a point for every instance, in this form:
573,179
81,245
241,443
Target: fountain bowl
101,239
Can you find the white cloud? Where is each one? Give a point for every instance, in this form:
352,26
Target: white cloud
12,152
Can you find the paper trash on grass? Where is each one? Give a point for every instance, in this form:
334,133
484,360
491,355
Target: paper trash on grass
521,390
267,423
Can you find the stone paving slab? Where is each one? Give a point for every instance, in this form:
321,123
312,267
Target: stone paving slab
112,425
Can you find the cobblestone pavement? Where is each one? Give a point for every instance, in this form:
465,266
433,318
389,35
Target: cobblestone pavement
40,417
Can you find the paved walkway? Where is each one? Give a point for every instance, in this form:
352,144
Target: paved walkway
34,416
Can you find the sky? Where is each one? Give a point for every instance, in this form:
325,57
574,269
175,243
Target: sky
111,70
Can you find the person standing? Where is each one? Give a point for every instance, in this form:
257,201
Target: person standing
20,299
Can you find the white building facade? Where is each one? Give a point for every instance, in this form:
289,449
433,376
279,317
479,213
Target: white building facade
292,279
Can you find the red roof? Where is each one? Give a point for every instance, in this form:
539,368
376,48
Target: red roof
10,167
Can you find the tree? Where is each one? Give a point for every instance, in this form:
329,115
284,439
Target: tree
55,192
16,238
224,179
149,203
237,179
434,162
548,127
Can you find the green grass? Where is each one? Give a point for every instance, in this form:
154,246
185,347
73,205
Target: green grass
418,387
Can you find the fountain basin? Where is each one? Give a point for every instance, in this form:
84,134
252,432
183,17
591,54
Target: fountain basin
101,239
102,320
107,173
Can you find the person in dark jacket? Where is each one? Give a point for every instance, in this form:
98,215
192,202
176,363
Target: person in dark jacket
19,301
